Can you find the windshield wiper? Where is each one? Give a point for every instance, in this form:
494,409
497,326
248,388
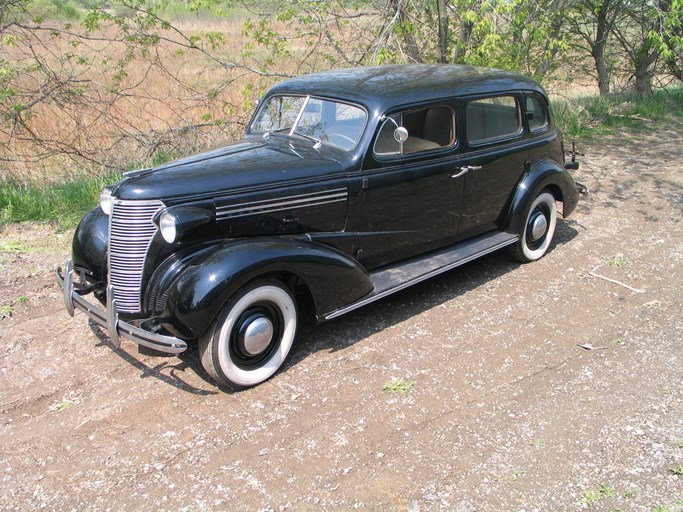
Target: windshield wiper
317,142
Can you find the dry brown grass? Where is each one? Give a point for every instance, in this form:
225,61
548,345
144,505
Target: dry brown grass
173,100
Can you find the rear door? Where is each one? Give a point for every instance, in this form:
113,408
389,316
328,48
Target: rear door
495,155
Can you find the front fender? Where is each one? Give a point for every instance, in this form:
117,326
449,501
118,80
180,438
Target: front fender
90,242
209,280
543,174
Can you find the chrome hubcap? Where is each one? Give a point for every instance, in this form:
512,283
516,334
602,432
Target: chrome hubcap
538,226
258,335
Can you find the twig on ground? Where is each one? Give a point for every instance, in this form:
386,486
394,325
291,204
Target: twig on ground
593,274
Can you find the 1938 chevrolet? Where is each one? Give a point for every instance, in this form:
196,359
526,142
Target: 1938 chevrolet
348,186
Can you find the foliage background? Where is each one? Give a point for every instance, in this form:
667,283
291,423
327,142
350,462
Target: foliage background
90,88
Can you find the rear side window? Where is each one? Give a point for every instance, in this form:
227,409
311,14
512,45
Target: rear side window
537,114
491,119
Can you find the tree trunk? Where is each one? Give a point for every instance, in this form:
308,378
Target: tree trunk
461,46
598,49
645,57
643,88
442,46
598,53
408,37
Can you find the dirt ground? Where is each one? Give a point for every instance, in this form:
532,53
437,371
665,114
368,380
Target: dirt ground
540,387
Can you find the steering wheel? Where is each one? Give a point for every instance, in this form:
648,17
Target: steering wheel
349,142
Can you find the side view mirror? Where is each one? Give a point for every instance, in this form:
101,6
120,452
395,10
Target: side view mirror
400,134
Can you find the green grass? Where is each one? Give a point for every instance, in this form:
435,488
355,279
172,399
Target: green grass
73,10
399,386
591,497
593,115
69,400
617,262
11,246
63,203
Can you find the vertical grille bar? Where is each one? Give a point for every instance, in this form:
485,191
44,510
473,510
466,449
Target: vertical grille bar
130,233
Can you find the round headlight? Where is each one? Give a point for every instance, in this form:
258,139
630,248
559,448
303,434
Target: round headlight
168,228
105,200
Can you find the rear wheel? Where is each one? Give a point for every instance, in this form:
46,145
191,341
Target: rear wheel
539,229
251,336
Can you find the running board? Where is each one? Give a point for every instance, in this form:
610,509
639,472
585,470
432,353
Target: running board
394,278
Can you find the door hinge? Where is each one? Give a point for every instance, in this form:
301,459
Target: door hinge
364,183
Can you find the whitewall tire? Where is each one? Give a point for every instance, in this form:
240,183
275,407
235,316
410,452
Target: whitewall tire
539,229
251,336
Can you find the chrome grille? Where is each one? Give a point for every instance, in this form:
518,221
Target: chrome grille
130,232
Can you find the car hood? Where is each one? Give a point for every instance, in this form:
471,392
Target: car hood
241,165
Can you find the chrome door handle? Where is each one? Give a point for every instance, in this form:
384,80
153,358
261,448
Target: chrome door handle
465,169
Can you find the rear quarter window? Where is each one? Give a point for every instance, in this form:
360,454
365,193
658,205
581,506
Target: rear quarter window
492,119
537,114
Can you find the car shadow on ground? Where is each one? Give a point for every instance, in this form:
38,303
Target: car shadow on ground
343,332
346,331
167,370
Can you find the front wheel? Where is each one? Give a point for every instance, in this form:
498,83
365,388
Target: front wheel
539,229
251,336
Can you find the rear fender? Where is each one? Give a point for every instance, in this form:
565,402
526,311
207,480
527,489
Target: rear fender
543,174
209,280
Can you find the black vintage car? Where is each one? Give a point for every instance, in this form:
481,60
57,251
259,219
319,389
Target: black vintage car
348,186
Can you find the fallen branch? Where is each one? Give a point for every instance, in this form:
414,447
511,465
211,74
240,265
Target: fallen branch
593,274
589,346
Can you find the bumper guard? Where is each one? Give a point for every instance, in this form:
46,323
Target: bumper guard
109,319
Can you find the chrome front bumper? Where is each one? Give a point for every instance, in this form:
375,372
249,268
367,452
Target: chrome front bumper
109,319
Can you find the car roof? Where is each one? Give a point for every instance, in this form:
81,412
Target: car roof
381,87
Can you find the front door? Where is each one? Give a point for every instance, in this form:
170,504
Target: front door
407,198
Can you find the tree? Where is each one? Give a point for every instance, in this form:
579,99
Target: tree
111,90
592,22
443,35
668,37
634,36
123,85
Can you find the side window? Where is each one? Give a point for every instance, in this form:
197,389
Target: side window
428,129
536,113
490,119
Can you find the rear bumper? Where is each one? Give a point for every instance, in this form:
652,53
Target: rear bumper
143,334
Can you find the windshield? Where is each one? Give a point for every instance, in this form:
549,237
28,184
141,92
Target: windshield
323,121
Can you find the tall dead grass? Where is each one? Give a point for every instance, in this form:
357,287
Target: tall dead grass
88,113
